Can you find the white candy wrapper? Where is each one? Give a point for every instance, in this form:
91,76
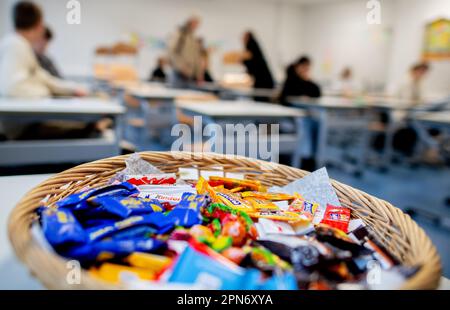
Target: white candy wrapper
315,187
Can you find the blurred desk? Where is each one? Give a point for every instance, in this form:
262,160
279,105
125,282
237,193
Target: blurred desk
223,113
435,118
59,151
235,93
239,109
342,117
157,105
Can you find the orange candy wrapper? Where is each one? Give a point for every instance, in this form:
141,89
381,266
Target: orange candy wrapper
269,196
224,196
247,185
277,215
261,204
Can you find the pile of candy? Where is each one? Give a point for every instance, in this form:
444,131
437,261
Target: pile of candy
219,233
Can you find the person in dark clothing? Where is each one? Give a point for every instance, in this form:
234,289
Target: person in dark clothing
205,66
40,50
256,63
159,75
298,82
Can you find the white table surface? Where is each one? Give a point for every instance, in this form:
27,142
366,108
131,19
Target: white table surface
339,102
158,92
224,108
442,117
61,106
13,274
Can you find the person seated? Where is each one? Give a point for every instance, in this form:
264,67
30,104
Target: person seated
159,74
412,87
20,72
298,82
40,49
21,76
346,85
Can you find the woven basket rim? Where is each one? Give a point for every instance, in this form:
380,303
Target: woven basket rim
50,268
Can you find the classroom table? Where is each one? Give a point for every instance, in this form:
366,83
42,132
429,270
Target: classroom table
13,274
368,107
336,115
64,150
236,93
224,112
157,104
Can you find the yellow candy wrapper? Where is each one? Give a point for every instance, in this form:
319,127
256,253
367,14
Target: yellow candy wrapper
261,204
112,273
278,215
155,263
270,196
248,185
305,208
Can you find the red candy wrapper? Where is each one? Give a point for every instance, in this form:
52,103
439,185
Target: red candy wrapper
153,179
337,217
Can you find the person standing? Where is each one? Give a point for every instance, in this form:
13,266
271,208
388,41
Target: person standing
185,54
254,61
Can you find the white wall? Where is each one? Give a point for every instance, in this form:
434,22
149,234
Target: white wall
410,18
107,21
337,34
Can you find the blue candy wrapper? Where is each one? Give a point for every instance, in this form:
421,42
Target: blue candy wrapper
195,267
61,228
78,200
124,207
114,249
188,212
157,220
135,232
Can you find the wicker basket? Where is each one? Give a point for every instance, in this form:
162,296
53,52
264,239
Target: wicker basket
395,230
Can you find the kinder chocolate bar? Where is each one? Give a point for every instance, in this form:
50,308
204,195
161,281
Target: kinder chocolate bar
78,201
61,228
248,185
305,208
188,212
114,249
165,194
269,196
337,217
156,220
